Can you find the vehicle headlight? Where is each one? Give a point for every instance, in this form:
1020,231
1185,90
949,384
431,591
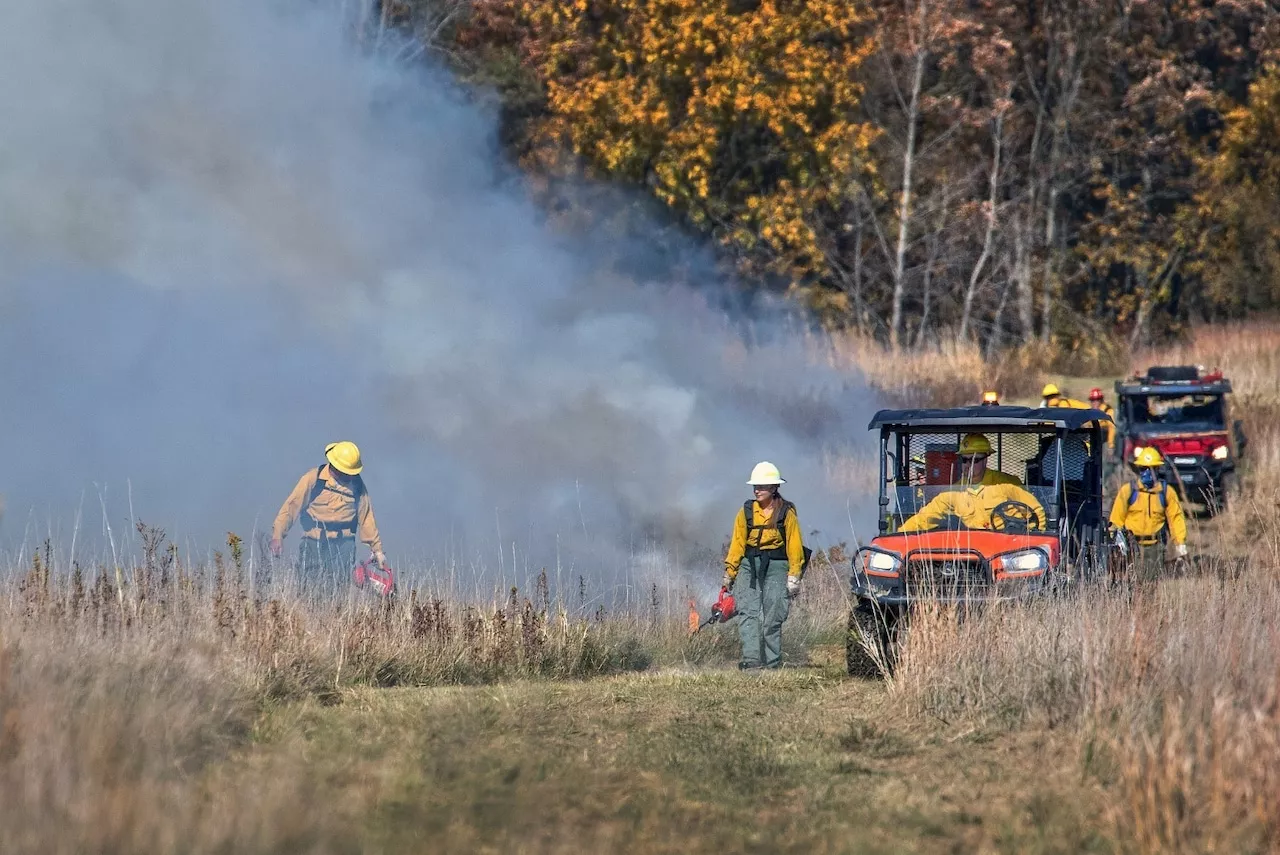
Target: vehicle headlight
1221,452
882,561
1029,560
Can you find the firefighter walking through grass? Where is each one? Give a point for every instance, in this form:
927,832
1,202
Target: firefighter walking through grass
763,567
1148,510
333,508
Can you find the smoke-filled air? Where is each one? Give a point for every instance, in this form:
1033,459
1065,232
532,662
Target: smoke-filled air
229,238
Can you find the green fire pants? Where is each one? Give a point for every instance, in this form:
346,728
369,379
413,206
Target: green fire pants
762,602
324,566
1148,564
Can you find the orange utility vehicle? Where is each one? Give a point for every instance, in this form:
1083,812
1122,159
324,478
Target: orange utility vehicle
945,535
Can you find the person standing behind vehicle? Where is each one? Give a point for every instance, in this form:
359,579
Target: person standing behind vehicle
1149,510
1097,402
763,567
333,508
1052,396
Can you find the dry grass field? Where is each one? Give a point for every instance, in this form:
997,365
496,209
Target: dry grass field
174,708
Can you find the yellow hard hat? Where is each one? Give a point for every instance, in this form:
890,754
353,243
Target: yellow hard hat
1147,457
1049,391
344,456
765,474
975,443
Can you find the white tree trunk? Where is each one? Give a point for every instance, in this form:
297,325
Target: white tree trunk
908,164
1025,298
975,275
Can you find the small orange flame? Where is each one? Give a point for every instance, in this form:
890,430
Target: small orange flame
694,619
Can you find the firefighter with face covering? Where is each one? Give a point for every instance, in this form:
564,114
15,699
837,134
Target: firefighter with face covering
333,509
1147,514
763,567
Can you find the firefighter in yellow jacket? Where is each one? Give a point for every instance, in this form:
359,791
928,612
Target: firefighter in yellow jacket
1052,396
333,510
974,505
1149,510
763,567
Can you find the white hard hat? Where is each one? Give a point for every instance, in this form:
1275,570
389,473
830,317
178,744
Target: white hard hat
765,474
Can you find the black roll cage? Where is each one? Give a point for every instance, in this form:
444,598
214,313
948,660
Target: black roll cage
1081,520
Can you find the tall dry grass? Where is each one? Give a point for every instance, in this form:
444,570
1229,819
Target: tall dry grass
1173,689
955,372
127,697
117,746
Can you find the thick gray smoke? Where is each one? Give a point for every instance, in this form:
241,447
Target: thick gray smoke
228,239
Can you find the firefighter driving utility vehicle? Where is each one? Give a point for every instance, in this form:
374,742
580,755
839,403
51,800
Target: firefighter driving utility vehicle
1008,505
1183,414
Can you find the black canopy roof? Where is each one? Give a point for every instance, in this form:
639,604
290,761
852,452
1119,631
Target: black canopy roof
1218,387
959,418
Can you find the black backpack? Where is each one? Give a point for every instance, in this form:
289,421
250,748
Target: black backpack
780,519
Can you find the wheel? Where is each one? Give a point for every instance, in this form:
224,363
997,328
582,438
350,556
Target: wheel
869,648
1224,493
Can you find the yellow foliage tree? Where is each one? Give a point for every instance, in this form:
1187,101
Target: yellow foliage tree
738,113
1237,208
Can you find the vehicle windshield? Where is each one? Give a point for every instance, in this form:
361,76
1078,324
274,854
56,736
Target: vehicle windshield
1176,410
960,479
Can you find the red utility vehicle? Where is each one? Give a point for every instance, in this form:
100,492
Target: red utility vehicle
1183,413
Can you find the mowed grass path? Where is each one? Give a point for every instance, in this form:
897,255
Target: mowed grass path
802,760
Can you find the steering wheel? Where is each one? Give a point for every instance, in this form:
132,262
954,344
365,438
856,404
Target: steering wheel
1014,517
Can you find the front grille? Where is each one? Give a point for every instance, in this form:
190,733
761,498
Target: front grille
947,576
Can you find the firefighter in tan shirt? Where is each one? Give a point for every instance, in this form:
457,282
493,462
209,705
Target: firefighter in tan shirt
333,509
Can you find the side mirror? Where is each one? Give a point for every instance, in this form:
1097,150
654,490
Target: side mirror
1237,428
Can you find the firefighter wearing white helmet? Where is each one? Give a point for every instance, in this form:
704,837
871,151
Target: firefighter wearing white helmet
763,567
333,509
1147,513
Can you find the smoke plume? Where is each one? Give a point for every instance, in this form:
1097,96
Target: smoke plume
229,238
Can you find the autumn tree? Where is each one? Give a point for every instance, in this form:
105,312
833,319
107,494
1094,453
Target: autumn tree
739,115
1056,170
1236,218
